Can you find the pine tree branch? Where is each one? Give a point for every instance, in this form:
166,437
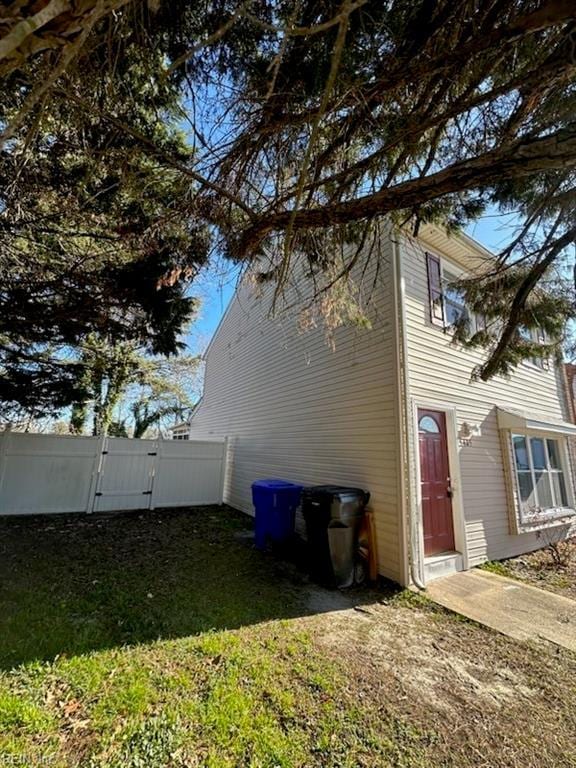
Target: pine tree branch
523,158
491,367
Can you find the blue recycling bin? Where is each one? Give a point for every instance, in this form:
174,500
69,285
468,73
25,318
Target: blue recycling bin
275,502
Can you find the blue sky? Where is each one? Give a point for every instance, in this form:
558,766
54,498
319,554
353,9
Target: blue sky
493,230
215,286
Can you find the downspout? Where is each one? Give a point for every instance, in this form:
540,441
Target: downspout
403,383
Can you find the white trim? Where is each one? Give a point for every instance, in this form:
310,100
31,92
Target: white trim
475,245
520,421
548,516
428,233
222,319
403,409
458,519
567,467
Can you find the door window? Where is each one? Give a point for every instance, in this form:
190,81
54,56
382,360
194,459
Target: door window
428,424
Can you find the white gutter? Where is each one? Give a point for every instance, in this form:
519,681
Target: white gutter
409,514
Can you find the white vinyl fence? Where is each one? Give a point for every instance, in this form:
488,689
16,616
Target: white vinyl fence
44,474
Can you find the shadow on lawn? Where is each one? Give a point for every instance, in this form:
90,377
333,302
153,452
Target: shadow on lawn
71,584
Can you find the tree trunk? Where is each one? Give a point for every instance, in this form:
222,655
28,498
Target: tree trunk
30,27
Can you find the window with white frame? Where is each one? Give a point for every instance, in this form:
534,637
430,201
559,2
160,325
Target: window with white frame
447,304
535,336
448,307
540,474
454,305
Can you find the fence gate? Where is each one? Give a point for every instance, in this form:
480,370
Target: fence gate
126,474
45,474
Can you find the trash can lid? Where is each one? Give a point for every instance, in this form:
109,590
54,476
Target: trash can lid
334,490
275,484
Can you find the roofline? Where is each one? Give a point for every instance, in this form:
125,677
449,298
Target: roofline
220,323
196,406
474,244
467,242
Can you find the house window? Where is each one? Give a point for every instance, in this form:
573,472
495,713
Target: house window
540,473
534,336
447,305
454,306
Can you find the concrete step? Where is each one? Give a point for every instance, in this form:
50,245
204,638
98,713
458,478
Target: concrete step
442,565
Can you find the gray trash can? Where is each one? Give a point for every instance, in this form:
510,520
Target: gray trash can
333,515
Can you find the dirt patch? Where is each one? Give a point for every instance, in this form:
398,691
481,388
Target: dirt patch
543,569
395,640
488,699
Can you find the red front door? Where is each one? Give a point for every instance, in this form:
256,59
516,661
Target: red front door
435,483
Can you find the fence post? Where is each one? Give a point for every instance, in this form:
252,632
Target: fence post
223,464
155,468
100,443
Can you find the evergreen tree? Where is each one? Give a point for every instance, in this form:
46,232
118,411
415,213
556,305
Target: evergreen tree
311,121
96,236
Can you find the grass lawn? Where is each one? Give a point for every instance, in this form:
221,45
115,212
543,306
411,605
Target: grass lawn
162,639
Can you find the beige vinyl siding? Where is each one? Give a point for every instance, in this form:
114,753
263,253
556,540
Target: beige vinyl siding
440,373
296,408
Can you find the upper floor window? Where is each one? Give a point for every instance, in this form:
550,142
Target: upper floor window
454,305
535,336
447,305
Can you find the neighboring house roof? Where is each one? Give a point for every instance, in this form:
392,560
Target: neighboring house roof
181,425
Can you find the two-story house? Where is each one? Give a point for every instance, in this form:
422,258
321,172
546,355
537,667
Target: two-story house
459,470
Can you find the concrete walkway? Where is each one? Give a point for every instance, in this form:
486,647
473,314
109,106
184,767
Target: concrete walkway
515,609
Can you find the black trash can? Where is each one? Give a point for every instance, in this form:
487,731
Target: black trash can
333,515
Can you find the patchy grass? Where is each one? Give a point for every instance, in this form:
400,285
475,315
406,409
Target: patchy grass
497,567
542,570
164,639
258,697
